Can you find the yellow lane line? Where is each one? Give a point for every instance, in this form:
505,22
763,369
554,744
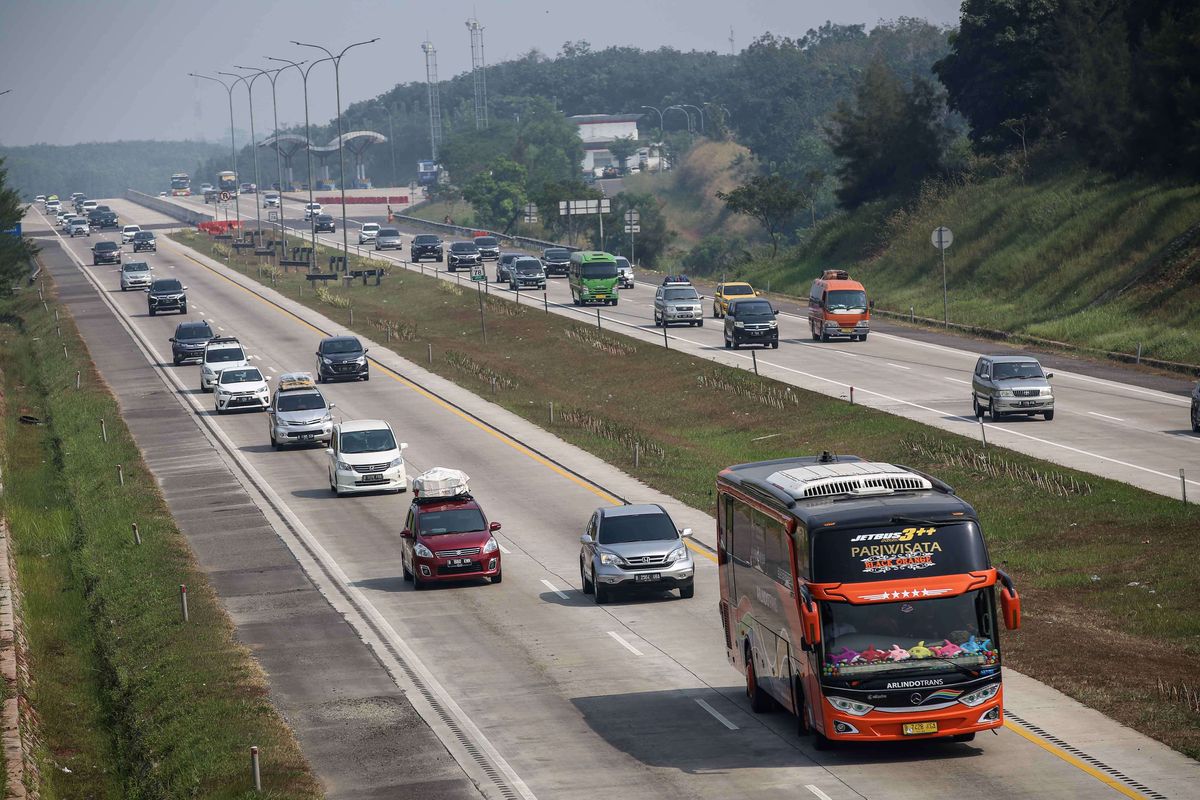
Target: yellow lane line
1075,762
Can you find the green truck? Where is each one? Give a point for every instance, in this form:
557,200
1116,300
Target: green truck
593,277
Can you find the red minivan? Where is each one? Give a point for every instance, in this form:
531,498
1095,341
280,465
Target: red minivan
447,538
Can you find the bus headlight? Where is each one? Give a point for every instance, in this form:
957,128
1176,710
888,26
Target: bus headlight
849,706
981,695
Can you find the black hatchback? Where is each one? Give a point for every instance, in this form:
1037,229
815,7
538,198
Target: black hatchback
188,342
342,357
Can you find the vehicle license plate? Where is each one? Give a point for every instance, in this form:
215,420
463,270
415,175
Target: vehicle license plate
913,728
375,478
308,437
458,562
647,577
847,330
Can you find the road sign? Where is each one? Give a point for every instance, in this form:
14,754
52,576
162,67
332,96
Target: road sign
531,213
224,197
632,217
633,228
942,238
477,273
575,207
272,216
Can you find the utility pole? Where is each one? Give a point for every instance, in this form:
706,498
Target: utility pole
478,73
435,101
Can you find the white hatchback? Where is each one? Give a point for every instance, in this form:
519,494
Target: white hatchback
241,387
128,231
311,210
364,456
368,232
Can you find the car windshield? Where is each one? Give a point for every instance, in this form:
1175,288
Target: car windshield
557,255
736,288
846,300
454,520
169,285
223,355
136,266
599,270
464,247
685,293
389,232
426,238
300,401
486,241
886,640
194,332
245,375
340,346
1007,370
654,527
527,266
376,441
756,308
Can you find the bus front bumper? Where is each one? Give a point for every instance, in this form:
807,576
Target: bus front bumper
877,726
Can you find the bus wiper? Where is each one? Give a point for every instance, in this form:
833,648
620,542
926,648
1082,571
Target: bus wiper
964,670
915,521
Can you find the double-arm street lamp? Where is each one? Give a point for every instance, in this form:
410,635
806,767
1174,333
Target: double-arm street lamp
337,62
253,148
228,87
272,76
699,111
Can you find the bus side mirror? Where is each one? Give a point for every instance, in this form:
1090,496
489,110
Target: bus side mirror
1010,608
810,623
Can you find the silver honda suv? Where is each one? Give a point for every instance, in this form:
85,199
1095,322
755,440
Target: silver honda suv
1011,385
635,545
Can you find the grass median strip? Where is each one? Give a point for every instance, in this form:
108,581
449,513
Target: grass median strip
1106,569
132,702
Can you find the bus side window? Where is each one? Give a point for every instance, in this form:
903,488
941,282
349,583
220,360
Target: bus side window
740,533
777,563
800,542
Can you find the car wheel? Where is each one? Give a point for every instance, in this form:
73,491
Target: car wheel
824,335
408,575
715,314
450,268
1195,418
978,409
736,345
499,576
122,288
418,584
601,591
760,701
700,324
274,442
366,376
1049,415
588,586
992,412
775,345
175,362
152,311
862,338
727,343
219,410
687,591
813,331
183,309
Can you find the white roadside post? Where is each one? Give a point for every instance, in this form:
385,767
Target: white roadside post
942,238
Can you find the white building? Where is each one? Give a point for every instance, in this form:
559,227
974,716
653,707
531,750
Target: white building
598,130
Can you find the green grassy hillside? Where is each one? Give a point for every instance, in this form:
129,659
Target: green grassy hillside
1068,255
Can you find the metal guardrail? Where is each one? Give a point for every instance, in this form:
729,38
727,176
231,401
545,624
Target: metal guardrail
523,241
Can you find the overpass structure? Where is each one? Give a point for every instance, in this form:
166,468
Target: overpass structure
356,142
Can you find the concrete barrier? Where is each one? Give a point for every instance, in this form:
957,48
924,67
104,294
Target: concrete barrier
167,208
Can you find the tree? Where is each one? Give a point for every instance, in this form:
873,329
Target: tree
468,153
888,140
547,144
771,199
999,68
651,242
498,194
15,251
623,148
549,195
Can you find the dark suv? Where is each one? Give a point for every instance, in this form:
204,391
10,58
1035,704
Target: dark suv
462,254
489,247
323,223
106,253
425,245
506,261
188,342
166,294
751,322
342,357
102,217
556,260
144,240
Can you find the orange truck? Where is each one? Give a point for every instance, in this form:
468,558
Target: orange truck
837,306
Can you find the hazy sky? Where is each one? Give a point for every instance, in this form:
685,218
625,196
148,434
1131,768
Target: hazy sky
100,70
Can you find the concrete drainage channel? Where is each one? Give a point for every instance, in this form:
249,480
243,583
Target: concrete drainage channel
478,758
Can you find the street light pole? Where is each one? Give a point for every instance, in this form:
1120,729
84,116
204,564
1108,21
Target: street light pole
253,150
307,142
699,111
272,76
237,208
683,111
337,84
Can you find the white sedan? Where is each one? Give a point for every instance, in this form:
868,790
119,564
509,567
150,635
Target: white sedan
365,457
241,387
128,231
311,210
368,232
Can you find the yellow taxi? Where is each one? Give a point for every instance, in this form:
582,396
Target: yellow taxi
727,293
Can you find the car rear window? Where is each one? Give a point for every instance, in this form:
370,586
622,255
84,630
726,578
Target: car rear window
223,355
389,232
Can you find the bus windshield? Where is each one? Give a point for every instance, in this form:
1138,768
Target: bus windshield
846,300
910,637
599,270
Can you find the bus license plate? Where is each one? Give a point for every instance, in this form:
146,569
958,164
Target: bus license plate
646,577
914,728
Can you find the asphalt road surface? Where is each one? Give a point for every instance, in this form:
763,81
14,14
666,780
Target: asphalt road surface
567,699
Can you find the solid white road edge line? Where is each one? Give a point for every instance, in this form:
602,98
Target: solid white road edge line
361,613
555,589
624,643
716,714
821,795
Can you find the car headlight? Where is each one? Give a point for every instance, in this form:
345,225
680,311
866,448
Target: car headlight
492,545
325,360
1005,393
678,554
772,324
261,390
611,559
344,467
422,551
739,324
1046,392
981,695
360,360
831,323
850,706
395,463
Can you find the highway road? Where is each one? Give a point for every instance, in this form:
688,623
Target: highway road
1134,434
564,698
